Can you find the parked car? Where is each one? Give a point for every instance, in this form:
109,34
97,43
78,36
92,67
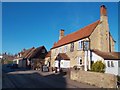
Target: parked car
14,66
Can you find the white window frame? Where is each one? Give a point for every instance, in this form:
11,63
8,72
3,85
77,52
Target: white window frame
79,59
65,48
72,47
80,46
56,51
84,45
60,50
108,63
112,63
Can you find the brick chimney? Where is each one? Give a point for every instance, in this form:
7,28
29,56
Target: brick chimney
61,34
103,11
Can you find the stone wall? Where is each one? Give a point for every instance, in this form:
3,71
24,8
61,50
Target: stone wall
93,78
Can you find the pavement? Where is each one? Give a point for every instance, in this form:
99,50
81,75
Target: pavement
22,78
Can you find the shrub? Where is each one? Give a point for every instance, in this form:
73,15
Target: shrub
98,67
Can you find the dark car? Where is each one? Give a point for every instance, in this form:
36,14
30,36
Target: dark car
14,66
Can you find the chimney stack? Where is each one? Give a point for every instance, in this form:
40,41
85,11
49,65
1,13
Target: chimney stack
61,34
103,11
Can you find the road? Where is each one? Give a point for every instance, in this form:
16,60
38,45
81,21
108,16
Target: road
35,79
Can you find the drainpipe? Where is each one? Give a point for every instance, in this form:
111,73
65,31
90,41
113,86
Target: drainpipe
85,62
89,67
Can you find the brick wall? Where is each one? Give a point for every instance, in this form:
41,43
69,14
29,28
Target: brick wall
93,78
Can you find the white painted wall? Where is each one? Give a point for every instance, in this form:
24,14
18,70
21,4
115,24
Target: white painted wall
91,56
112,70
16,61
56,63
95,57
63,63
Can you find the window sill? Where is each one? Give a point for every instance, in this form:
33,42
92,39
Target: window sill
79,50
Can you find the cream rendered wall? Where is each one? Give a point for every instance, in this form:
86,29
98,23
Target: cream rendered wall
99,39
95,39
104,30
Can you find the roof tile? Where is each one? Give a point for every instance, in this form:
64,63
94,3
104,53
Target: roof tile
82,33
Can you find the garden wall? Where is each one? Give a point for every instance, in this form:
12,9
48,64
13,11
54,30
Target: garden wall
93,78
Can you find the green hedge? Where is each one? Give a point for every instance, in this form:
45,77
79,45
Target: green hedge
98,67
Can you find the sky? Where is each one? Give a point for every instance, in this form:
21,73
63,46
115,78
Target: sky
28,24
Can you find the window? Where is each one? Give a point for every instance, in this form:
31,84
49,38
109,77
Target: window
118,63
60,50
80,45
72,47
86,45
108,63
55,51
65,48
80,61
112,64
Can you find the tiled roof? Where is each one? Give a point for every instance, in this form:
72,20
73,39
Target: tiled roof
30,53
26,52
37,53
80,34
48,54
62,56
107,55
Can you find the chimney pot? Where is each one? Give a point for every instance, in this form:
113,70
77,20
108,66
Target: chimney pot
103,10
61,34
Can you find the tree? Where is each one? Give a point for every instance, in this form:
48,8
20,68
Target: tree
98,67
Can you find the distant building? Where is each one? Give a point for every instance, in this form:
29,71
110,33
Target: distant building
28,57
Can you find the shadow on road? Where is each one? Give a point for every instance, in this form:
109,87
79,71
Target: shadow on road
32,79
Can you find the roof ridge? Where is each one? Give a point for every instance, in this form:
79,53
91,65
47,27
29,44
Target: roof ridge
81,28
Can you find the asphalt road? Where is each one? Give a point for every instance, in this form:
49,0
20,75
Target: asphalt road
20,78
